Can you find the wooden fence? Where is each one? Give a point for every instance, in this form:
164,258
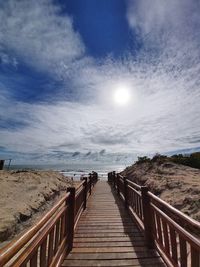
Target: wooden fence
46,243
172,233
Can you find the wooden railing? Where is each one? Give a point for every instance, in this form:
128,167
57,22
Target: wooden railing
175,235
48,241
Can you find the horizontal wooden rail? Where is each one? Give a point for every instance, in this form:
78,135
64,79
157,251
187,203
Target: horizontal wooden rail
184,220
46,243
174,234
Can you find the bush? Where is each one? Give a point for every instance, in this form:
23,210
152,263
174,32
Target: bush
143,159
159,158
192,160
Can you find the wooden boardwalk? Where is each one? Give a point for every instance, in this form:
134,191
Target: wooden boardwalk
106,235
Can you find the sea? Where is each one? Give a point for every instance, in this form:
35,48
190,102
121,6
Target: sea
74,170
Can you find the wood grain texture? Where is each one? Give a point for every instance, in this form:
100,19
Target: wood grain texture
106,235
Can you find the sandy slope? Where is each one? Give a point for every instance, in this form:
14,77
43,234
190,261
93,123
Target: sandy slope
177,184
24,195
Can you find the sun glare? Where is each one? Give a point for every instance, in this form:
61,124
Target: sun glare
122,96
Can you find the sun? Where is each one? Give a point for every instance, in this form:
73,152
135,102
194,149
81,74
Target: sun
122,96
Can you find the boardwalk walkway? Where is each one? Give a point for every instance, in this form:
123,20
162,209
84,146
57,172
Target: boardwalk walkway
106,236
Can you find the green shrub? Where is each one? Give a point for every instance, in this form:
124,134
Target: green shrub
143,159
192,160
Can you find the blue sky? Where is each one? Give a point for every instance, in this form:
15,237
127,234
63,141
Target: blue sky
62,61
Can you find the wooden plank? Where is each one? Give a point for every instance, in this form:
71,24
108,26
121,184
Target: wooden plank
106,219
101,227
109,226
91,224
118,262
33,260
103,213
166,237
115,211
57,236
107,231
107,250
195,257
107,239
159,230
183,252
173,244
107,236
43,252
106,222
50,246
110,256
110,244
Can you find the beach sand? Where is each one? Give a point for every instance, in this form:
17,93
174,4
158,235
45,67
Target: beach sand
25,196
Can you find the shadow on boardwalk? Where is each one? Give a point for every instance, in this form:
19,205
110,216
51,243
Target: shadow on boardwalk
141,254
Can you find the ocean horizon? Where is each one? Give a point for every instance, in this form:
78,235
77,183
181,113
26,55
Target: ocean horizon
72,170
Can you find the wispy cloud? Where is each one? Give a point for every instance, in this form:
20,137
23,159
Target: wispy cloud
155,18
163,77
37,32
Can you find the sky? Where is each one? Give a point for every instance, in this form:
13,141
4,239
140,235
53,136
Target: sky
62,62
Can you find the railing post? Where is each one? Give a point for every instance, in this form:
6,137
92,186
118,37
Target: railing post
110,180
125,192
1,164
147,217
118,191
95,175
90,183
114,179
71,216
85,192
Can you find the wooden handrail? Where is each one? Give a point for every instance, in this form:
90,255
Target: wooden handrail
56,226
189,237
79,186
182,218
40,238
136,186
8,251
164,226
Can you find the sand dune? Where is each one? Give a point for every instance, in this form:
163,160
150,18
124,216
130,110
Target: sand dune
177,184
25,195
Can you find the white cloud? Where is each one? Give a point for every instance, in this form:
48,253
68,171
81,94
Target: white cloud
6,59
37,32
154,16
166,118
165,115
